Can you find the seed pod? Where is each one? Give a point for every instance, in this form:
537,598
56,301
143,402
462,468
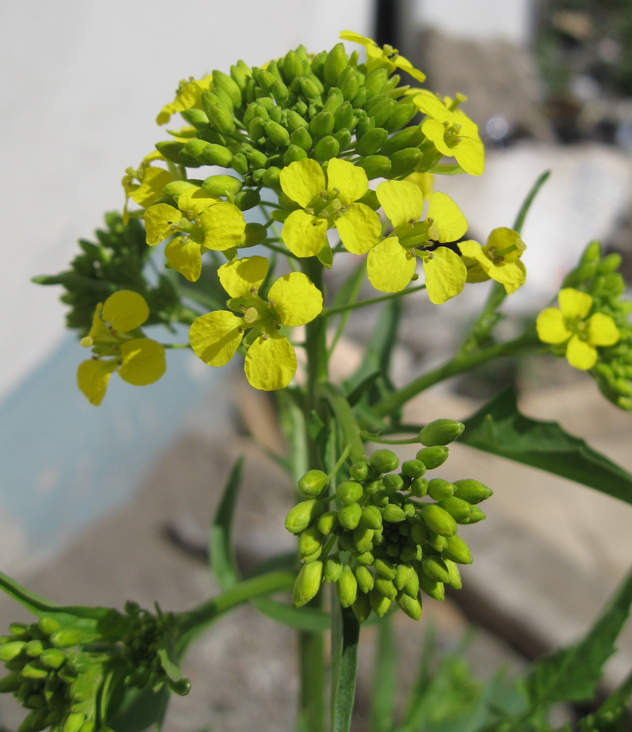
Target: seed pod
375,81
386,587
403,573
459,510
313,483
393,514
239,163
245,200
385,569
441,432
438,520
457,551
471,491
333,569
454,577
404,162
303,514
307,583
371,518
392,484
221,185
335,64
410,605
363,538
439,489
361,607
435,568
384,461
375,166
327,523
326,148
433,457
365,578
309,542
347,587
349,516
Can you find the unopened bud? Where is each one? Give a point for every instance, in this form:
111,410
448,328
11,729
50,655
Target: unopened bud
404,162
302,515
471,490
11,650
386,587
418,486
326,148
379,603
392,483
371,142
363,538
221,185
412,586
309,542
433,457
349,516
366,558
439,489
384,461
418,533
333,568
413,468
410,605
435,568
371,517
438,520
375,166
73,722
476,515
34,722
402,574
361,607
34,670
53,658
307,583
313,483
364,577
457,551
347,587
349,491
335,64
454,577
327,523
459,510
393,514
437,542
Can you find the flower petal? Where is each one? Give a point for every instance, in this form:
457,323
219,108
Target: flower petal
270,362
304,235
447,217
302,180
143,361
350,180
602,330
215,337
574,304
99,329
445,274
359,228
223,226
93,377
125,310
295,299
150,190
239,277
435,132
510,274
401,200
356,38
185,256
551,326
390,267
405,65
502,239
431,105
470,155
158,220
580,354
195,200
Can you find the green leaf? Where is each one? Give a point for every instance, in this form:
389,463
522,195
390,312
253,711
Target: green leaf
140,709
345,633
355,394
176,681
220,546
571,674
499,428
384,680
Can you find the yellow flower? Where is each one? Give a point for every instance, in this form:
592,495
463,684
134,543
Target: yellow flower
199,221
382,58
270,359
451,131
144,186
138,360
325,204
498,259
391,262
425,182
188,96
571,326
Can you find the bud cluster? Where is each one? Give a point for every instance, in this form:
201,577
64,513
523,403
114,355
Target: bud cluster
599,277
258,120
391,533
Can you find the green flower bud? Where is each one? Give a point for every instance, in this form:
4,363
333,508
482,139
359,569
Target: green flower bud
410,605
359,471
276,133
438,520
11,650
227,84
371,142
240,76
400,116
349,516
435,568
326,148
361,607
322,124
309,541
348,492
291,67
295,122
471,491
385,569
172,150
345,542
364,578
196,117
53,658
347,587
418,486
380,108
34,722
10,683
457,551
476,515
380,498
413,468
73,722
301,138
436,541
214,154
433,457
174,190
393,514
88,725
34,670
349,84
66,637
412,585
386,587
609,263
307,558
34,648
418,533
379,603
280,92
439,489
363,538
335,64
271,178
592,253
384,461
370,199
245,200
255,111
459,510
375,166
221,185
302,515
344,117
219,116
313,483
375,81
371,518
393,483
307,86
239,164
333,569
409,508
366,558
19,631
409,137
441,432
392,551
327,523
334,100
403,573
307,583
454,577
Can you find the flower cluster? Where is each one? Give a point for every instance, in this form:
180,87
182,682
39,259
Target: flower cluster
591,327
384,540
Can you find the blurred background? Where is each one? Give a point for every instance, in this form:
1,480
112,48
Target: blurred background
97,505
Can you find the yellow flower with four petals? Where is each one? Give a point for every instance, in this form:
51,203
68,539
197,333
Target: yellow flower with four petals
199,221
188,95
570,326
144,186
499,259
115,347
386,57
270,359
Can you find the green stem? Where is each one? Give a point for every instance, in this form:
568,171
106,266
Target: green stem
341,461
327,312
346,421
176,345
285,252
377,438
526,343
